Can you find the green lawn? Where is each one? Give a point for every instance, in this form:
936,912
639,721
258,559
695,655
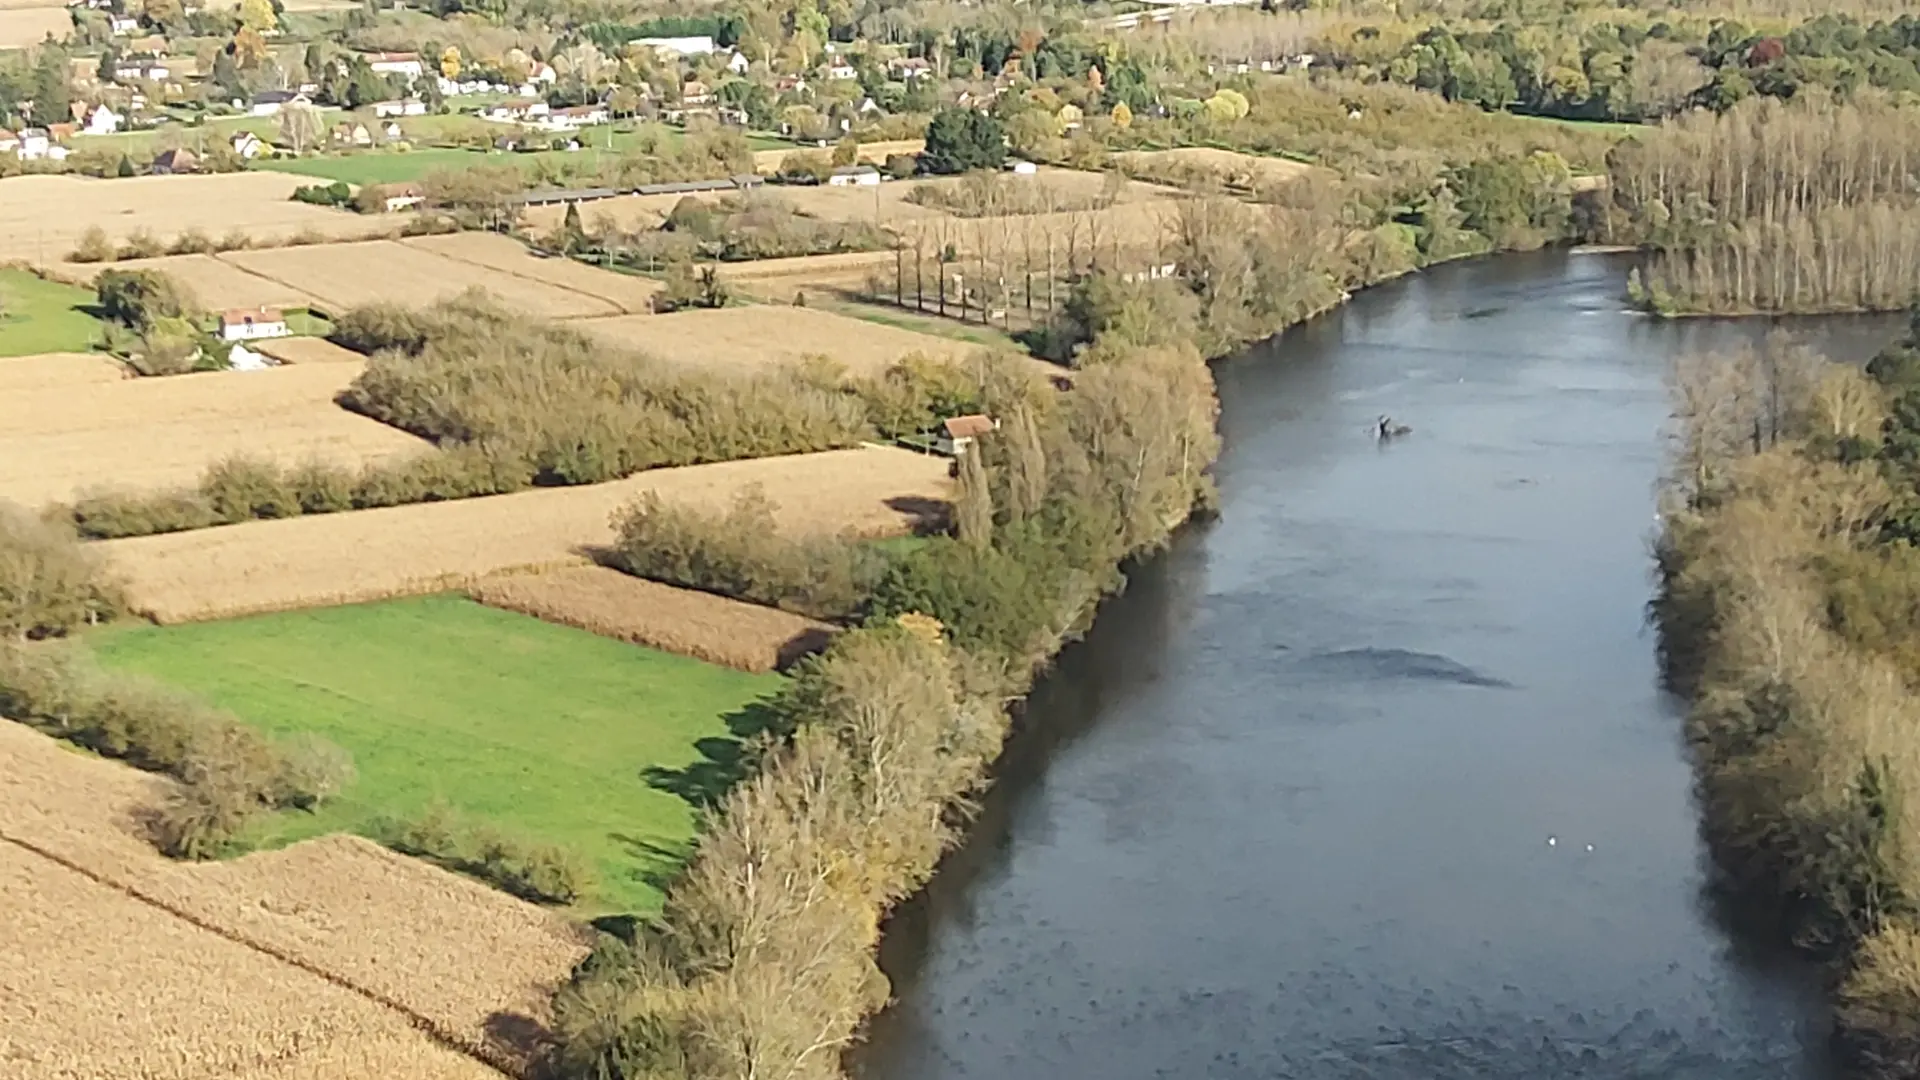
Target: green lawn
551,733
381,166
39,316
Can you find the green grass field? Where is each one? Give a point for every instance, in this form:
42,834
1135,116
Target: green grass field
548,732
39,316
382,166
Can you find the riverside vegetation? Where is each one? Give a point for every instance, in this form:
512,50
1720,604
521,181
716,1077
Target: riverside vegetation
1787,611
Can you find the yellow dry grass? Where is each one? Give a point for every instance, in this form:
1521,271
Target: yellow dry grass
343,276
781,281
22,27
701,625
768,161
215,284
1229,166
327,956
47,371
375,554
42,217
629,294
306,350
758,336
148,434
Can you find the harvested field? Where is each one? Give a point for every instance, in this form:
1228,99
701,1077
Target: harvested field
215,284
781,280
1232,167
706,627
283,964
42,217
876,153
148,434
22,27
630,295
343,276
50,371
374,554
758,336
306,350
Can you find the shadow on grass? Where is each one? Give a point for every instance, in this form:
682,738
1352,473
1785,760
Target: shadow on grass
658,864
723,762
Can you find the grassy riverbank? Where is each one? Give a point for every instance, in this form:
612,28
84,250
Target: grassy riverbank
1789,586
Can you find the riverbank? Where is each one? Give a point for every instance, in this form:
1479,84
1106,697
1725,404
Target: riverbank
1784,615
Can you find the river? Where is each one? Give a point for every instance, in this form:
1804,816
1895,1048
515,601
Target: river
1372,777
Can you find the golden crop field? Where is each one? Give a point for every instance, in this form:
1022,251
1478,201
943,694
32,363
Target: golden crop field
629,294
42,217
761,335
306,350
375,554
215,284
22,27
1229,166
875,153
706,627
58,441
21,374
343,276
286,964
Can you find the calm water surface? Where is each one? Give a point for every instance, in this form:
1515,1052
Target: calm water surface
1286,812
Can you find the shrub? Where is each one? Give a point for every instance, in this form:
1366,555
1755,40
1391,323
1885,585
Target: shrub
334,194
142,245
312,770
321,488
244,489
138,299
49,584
94,247
543,873
115,515
201,821
192,242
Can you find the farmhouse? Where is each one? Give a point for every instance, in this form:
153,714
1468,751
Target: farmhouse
175,162
101,120
410,107
910,68
36,144
695,92
352,135
842,70
511,111
957,434
248,145
122,24
395,63
576,117
737,62
251,324
270,102
854,176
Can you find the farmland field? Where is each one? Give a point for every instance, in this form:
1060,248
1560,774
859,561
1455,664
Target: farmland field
306,350
42,217
706,627
57,441
549,732
342,276
38,316
366,555
1229,165
21,27
757,336
20,374
632,295
286,964
215,284
380,166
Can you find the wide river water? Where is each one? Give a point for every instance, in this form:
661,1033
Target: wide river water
1372,777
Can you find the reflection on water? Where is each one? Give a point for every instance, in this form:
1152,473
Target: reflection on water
1286,812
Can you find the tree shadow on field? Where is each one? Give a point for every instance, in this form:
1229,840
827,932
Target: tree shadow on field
924,515
658,864
723,762
517,1039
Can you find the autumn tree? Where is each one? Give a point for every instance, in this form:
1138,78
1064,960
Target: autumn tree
258,16
450,62
299,125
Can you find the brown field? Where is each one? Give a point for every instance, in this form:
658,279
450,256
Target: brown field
147,434
327,956
216,284
630,295
781,281
42,217
768,161
701,625
1248,170
306,350
48,371
21,27
376,554
761,335
343,276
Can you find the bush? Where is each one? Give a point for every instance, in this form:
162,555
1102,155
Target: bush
244,489
142,245
49,584
542,873
334,194
116,515
139,299
312,770
94,247
321,488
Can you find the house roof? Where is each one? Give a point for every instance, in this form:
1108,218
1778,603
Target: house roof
391,57
173,158
244,316
60,131
968,427
274,97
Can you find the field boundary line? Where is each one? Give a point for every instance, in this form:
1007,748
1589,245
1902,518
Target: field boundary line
418,1021
618,308
333,307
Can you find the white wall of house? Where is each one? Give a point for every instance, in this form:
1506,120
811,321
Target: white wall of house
252,331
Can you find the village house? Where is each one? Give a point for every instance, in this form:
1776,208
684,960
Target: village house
695,92
252,324
152,45
101,120
121,25
509,112
36,144
395,63
270,102
959,433
248,145
854,176
175,163
790,84
409,107
396,197
392,131
352,135
841,70
909,68
578,116
738,63
543,73
142,70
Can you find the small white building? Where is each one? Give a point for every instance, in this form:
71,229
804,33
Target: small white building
910,68
37,145
102,121
842,70
578,116
241,358
252,324
122,24
738,63
1022,168
543,73
959,433
409,107
248,145
397,197
854,176
395,63
270,102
